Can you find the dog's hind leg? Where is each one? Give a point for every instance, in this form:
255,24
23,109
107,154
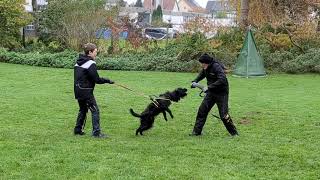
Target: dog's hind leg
144,128
137,131
140,129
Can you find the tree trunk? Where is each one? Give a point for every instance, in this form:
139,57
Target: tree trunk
244,13
34,14
34,5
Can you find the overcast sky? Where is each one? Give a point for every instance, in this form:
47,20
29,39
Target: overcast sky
202,3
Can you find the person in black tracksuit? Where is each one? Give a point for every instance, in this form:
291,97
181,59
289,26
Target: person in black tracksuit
217,93
85,78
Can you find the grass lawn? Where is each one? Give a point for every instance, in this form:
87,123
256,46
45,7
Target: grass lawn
277,118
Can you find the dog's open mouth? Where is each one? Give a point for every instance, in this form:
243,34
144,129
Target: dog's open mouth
179,94
183,92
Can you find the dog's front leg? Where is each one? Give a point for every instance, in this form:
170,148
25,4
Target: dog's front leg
165,115
169,111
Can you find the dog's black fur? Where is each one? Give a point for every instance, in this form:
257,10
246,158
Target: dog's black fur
163,102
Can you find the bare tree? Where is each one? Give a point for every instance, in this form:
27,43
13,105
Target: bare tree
34,14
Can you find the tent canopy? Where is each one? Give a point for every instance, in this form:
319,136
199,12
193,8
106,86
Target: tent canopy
249,62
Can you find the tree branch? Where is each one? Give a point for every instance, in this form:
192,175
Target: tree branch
294,43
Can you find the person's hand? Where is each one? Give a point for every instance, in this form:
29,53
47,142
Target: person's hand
205,89
194,84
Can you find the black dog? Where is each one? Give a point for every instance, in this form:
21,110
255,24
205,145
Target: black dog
161,105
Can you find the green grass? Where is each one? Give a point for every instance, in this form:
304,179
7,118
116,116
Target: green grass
279,141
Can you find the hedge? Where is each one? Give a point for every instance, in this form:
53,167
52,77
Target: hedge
66,59
280,61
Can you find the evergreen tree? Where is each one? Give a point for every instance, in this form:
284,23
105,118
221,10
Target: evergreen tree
122,3
138,4
157,15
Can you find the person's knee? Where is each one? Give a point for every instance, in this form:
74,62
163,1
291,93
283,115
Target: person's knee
83,112
204,109
202,114
94,109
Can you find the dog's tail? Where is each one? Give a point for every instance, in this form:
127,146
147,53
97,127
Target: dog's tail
134,114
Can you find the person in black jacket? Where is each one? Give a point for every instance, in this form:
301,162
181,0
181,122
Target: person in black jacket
217,93
85,78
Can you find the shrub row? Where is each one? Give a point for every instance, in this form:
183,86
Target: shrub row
160,60
57,60
66,59
285,61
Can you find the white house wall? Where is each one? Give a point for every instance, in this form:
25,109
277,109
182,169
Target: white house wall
28,6
177,21
172,19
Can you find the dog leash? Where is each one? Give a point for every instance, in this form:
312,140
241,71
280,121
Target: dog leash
215,116
139,93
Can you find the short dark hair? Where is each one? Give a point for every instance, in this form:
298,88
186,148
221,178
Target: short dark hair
89,47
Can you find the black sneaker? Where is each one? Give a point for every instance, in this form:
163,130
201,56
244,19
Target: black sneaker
195,134
80,133
101,135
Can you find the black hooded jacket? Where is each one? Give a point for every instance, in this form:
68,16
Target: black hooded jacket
216,78
85,77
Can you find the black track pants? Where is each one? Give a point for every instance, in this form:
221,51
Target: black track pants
208,102
84,105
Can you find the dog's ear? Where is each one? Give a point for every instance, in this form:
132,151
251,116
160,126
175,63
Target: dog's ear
180,89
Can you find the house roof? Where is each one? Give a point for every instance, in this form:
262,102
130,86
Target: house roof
218,5
167,4
192,3
194,6
147,4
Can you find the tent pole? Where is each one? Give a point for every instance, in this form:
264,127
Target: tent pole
248,52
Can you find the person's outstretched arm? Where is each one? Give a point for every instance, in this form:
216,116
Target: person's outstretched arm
93,73
200,76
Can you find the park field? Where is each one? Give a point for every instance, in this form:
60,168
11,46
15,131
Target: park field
277,117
